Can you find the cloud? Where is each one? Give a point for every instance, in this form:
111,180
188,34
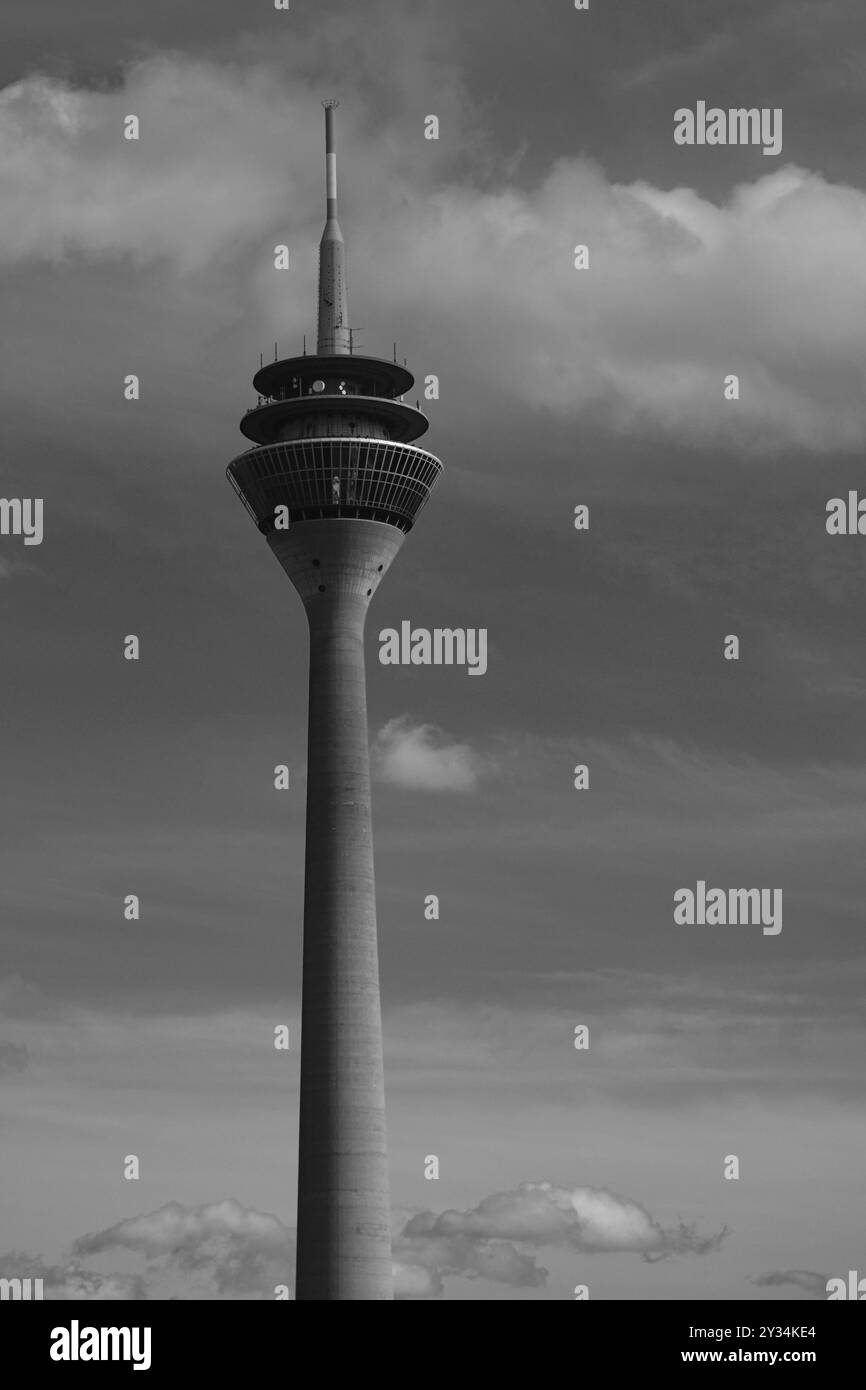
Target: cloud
484,1241
425,1259
583,1218
74,185
814,1285
416,1281
681,291
420,756
811,804
225,151
13,1057
72,1282
674,62
238,1249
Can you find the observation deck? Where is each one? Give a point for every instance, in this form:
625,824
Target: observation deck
374,479
334,440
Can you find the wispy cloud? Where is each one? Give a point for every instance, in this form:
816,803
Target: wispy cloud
672,63
813,1285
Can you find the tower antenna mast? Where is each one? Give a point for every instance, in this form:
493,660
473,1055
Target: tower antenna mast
333,326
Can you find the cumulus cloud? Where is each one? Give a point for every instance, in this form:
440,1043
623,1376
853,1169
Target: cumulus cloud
420,756
681,291
242,1251
812,1284
584,1218
484,1241
13,1057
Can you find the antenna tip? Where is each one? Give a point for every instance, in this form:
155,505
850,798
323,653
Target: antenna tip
330,103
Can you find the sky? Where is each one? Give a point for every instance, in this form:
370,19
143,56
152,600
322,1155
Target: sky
602,1168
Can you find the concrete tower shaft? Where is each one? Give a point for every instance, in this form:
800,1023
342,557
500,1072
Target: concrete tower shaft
344,1239
335,483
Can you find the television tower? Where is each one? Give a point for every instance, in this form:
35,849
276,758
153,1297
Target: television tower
333,458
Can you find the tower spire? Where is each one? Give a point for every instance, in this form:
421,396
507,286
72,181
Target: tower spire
333,328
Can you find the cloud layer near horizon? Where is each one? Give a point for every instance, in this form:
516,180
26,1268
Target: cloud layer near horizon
225,1250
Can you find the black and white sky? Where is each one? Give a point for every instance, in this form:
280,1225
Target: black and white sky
557,388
